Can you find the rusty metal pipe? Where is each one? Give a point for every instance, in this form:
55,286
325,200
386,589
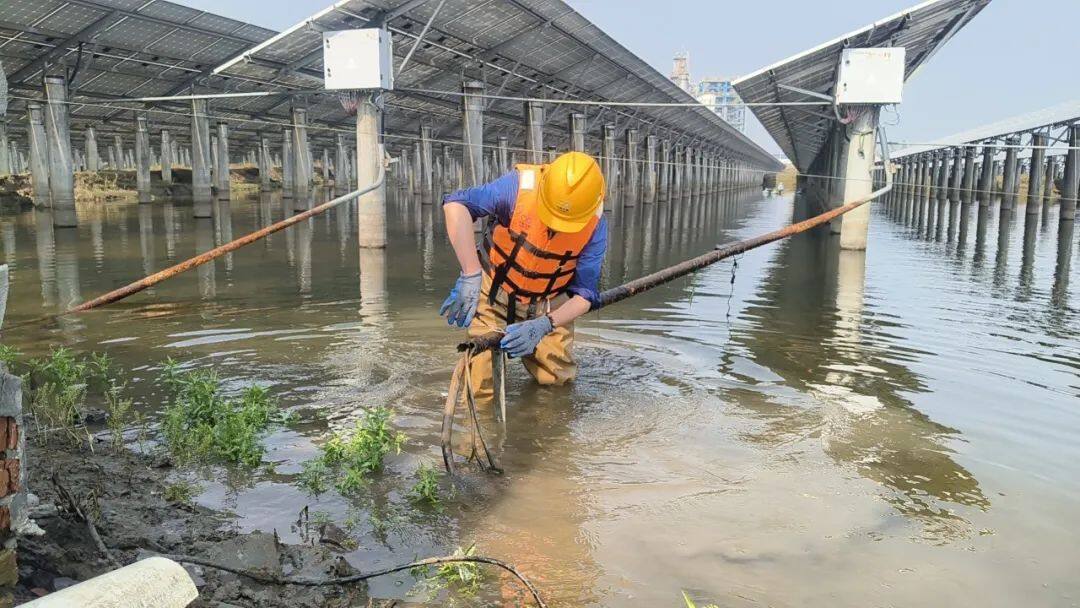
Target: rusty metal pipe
202,258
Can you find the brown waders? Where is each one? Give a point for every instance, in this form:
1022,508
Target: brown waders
552,363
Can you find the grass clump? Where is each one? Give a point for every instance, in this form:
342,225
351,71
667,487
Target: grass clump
315,478
56,389
9,356
120,412
181,492
200,422
349,458
426,489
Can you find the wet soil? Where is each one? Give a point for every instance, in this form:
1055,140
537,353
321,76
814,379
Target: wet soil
136,521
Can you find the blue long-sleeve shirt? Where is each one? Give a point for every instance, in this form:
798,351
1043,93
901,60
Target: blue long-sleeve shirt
497,199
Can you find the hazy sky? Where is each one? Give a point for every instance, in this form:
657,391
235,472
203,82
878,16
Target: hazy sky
1015,57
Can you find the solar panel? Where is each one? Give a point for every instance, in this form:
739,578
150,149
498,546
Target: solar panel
802,132
520,48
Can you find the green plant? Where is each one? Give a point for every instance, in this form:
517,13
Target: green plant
426,488
314,477
463,577
690,603
181,491
201,422
351,481
9,356
99,371
55,409
60,369
120,414
371,440
354,456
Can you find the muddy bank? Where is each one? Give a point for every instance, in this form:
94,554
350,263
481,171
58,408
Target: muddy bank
135,519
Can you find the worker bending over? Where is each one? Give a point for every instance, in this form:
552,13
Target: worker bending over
537,269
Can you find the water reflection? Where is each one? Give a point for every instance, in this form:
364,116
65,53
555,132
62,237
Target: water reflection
808,326
204,241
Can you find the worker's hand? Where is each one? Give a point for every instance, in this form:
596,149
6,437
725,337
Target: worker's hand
460,306
521,338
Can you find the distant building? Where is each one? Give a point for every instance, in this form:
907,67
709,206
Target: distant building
718,95
680,72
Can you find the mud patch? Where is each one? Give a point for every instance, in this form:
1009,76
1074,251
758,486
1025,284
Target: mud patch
135,521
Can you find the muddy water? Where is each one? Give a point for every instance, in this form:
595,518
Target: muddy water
807,427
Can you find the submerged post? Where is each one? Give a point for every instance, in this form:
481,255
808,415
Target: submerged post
39,154
650,169
221,171
341,168
427,169
1035,174
577,132
986,181
534,132
1071,186
676,172
58,136
664,193
1048,181
1012,170
969,173
607,160
288,175
371,207
687,171
142,157
630,170
200,158
472,132
265,161
504,155
93,159
301,153
855,224
166,157
956,172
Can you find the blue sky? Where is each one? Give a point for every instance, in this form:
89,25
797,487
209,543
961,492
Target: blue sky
1015,57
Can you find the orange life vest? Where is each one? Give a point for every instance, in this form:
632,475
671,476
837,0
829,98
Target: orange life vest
528,260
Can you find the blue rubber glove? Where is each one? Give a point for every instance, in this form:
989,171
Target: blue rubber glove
460,306
521,338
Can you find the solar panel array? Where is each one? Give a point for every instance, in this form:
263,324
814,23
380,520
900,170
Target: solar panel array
803,131
112,49
1060,115
524,48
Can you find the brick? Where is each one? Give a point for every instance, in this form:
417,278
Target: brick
5,518
13,475
12,434
4,432
5,480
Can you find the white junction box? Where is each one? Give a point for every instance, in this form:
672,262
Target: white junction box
358,59
873,76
